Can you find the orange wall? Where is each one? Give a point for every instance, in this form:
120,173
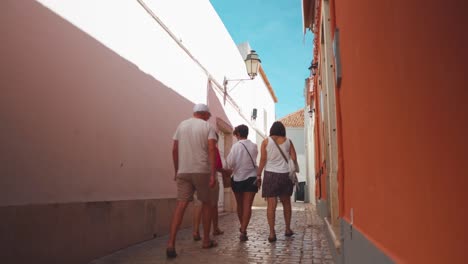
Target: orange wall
320,167
77,121
404,125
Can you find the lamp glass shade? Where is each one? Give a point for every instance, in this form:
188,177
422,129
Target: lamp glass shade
252,63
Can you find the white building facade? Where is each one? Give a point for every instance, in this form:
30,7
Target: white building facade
91,95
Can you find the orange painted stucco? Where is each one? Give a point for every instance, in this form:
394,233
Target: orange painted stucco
403,125
320,168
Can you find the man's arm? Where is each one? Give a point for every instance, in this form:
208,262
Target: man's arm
212,159
175,157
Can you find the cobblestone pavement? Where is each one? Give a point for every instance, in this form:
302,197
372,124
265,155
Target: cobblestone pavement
307,245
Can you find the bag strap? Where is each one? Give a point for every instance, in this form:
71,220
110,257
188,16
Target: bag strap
281,151
253,163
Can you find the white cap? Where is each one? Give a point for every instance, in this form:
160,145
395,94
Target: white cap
201,108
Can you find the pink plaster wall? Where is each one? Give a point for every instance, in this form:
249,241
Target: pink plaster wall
77,121
216,108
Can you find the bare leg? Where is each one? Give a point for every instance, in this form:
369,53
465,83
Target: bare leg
248,198
197,213
240,204
287,211
214,212
206,221
271,210
214,217
176,220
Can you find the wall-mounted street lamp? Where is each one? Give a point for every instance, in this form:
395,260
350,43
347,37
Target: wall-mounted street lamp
310,111
313,68
252,64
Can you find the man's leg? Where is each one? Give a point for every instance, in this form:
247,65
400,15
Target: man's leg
204,195
214,217
214,212
176,221
197,213
206,221
184,196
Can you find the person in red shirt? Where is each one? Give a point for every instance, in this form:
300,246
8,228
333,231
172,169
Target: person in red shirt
214,193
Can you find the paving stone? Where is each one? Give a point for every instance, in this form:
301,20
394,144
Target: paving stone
308,245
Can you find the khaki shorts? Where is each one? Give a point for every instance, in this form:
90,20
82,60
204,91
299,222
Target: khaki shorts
187,183
214,195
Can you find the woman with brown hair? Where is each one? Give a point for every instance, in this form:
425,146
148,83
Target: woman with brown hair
276,181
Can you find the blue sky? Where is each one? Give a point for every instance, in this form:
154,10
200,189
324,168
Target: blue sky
274,29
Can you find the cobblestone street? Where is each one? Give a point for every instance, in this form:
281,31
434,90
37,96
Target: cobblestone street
308,245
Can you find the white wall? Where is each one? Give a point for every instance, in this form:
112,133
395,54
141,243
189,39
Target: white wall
296,134
82,122
310,156
132,33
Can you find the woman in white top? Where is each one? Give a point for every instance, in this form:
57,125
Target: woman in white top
242,161
276,181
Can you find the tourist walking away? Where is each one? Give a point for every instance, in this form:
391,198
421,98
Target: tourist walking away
214,193
244,181
194,158
274,155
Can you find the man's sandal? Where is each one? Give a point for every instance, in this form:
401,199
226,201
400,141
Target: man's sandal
211,244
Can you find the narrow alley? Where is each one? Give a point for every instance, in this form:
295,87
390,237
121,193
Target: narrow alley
308,245
104,103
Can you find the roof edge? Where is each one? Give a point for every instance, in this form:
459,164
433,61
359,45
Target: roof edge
308,14
267,82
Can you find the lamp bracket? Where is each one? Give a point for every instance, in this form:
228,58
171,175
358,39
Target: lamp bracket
226,81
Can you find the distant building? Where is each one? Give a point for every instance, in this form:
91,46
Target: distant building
294,124
295,130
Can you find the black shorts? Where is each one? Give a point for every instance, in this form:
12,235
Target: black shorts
244,186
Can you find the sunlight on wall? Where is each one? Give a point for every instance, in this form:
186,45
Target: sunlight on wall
127,29
123,27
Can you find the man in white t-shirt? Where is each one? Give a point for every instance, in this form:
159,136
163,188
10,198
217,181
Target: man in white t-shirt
194,159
